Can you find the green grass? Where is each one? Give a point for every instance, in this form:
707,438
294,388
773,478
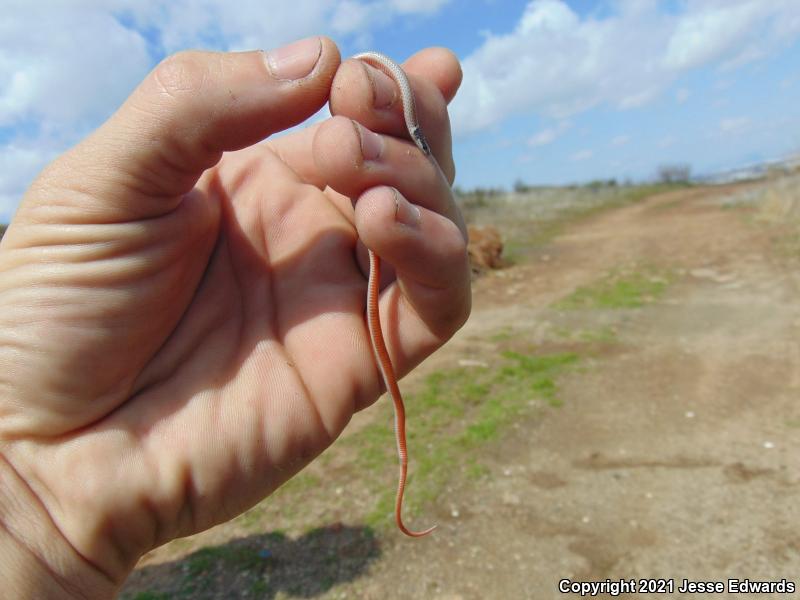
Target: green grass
200,566
505,334
454,414
150,596
253,519
788,245
618,291
476,471
604,335
259,588
240,558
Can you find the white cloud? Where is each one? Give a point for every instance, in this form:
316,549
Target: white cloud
682,95
417,6
549,135
19,163
620,140
251,24
581,155
732,32
710,34
544,137
640,98
549,15
557,63
667,141
790,81
68,68
66,65
734,125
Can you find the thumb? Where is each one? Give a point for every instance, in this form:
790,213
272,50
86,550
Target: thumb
190,109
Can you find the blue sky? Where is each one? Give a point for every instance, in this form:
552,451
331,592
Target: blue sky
555,91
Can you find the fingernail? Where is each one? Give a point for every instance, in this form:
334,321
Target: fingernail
371,143
296,60
384,91
405,212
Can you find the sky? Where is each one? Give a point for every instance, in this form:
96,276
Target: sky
554,91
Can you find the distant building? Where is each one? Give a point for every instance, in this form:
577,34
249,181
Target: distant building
753,171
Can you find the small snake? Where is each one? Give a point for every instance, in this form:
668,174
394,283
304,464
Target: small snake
394,71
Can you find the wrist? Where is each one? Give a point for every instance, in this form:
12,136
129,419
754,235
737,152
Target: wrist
36,561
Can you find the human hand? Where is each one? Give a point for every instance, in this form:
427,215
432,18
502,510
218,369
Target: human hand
183,331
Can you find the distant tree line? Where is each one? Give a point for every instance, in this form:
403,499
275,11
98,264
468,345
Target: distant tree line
520,187
669,173
477,197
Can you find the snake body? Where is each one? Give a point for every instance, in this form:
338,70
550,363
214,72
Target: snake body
391,68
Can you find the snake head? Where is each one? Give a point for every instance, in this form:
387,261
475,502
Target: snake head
421,141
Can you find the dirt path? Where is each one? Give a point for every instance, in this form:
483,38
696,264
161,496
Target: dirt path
674,449
676,453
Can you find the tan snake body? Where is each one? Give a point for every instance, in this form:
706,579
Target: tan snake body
394,71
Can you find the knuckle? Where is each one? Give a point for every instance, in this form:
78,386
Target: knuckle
454,249
181,74
454,314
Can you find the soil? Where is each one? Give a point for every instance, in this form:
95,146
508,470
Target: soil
675,453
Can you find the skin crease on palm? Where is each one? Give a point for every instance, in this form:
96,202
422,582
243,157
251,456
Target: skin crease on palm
180,334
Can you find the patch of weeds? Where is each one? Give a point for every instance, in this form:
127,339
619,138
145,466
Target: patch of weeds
454,414
535,365
788,245
382,506
259,587
302,482
240,558
201,561
207,564
150,596
486,426
514,251
252,518
546,388
505,334
618,291
604,335
563,332
794,423
477,471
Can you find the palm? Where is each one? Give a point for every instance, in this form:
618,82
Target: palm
269,355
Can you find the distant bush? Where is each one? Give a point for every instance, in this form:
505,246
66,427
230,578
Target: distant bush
598,184
674,173
478,197
520,187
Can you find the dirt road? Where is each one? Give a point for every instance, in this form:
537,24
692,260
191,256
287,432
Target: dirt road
674,448
676,453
